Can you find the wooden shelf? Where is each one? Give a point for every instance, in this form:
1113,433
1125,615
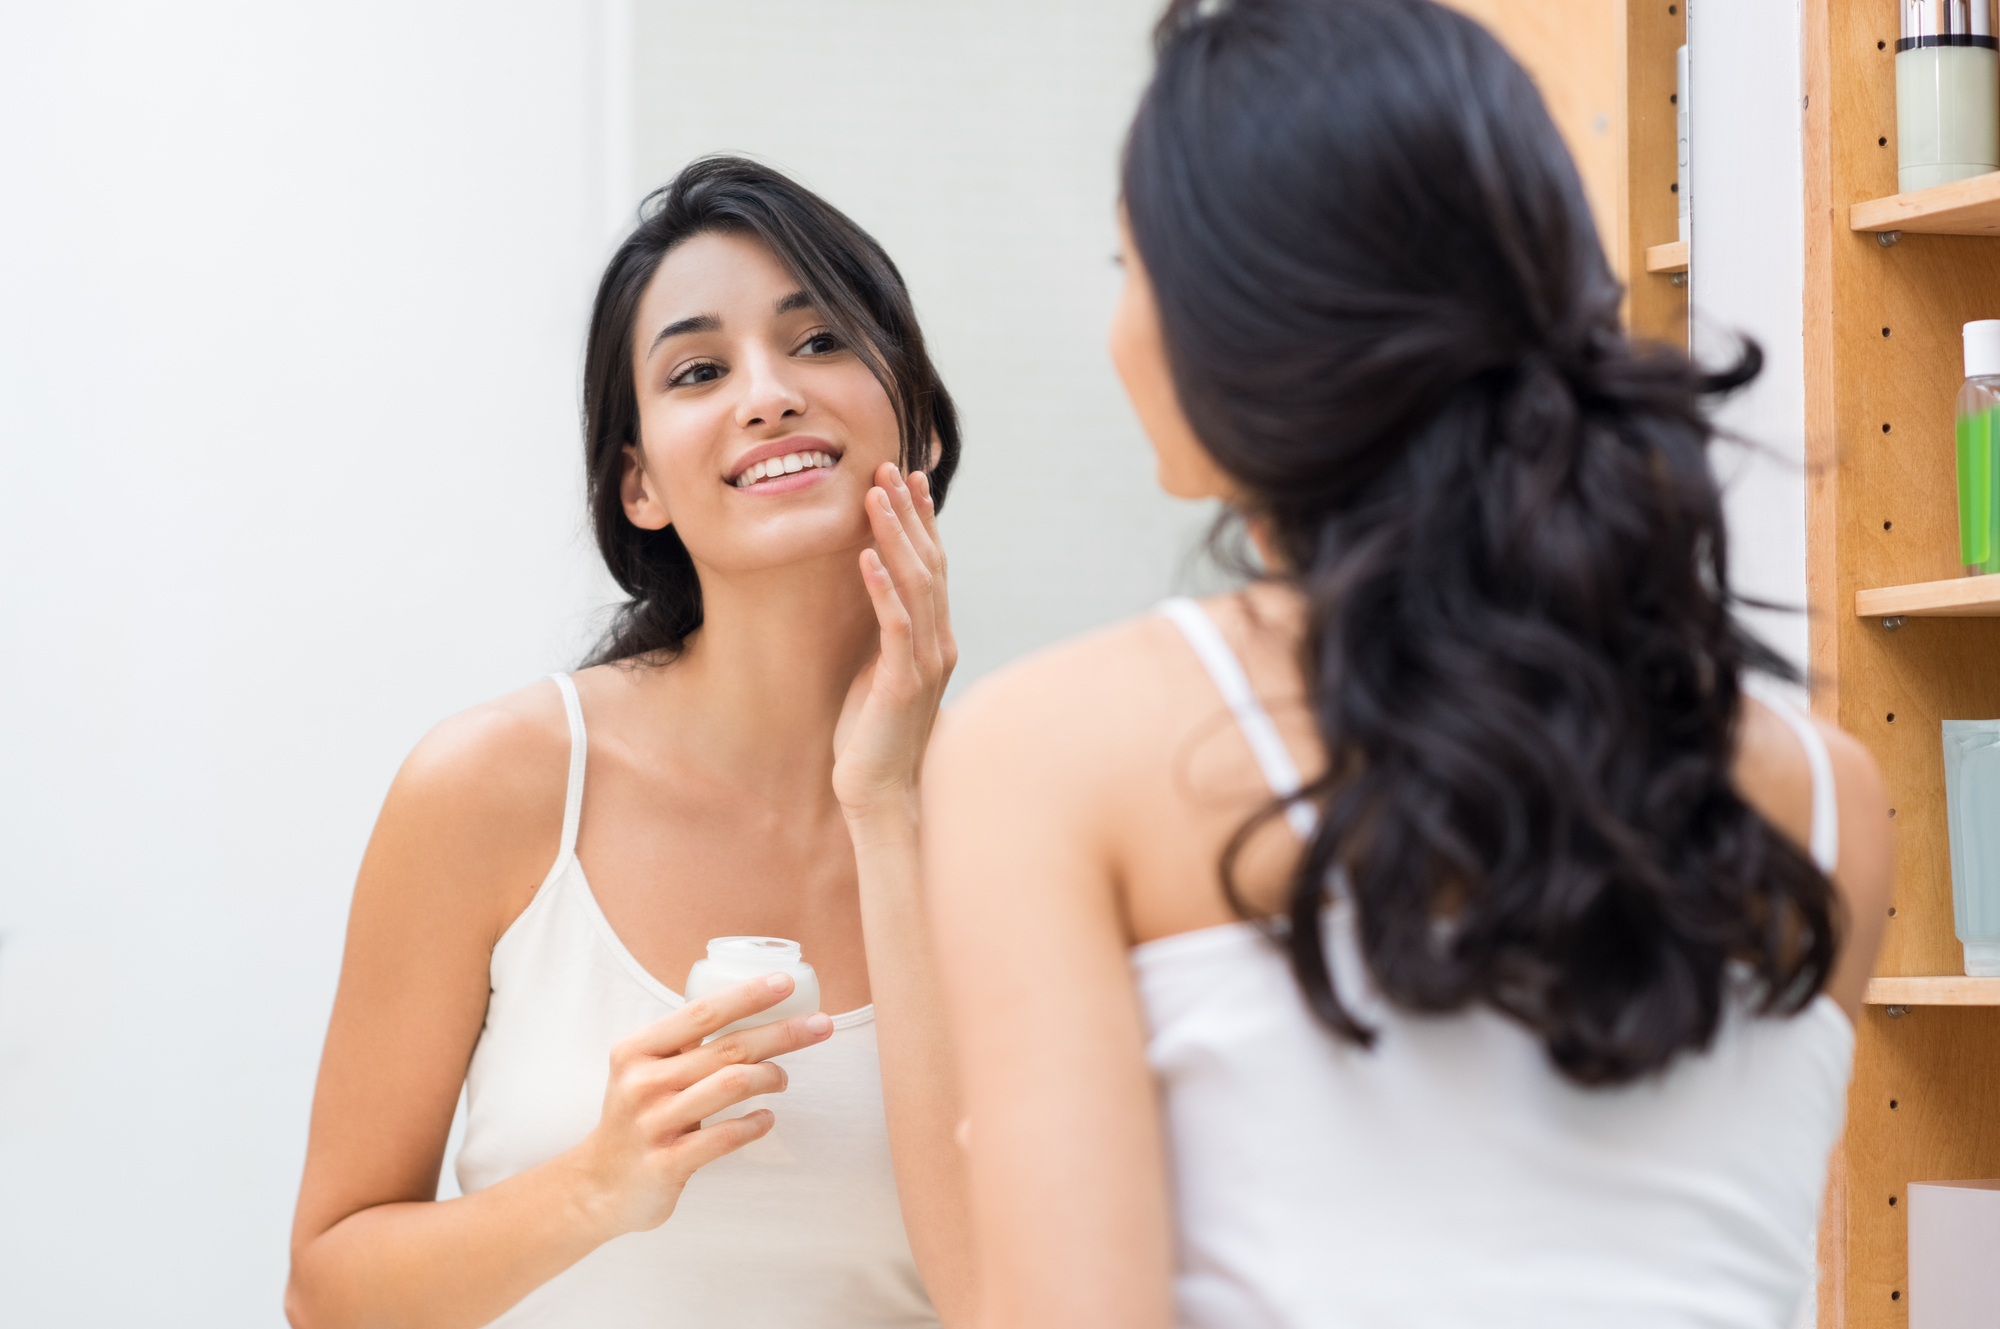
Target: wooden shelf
1943,990
1963,207
1960,597
1667,258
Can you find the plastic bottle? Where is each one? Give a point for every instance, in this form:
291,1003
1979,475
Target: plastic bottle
1947,93
733,960
1972,829
1978,434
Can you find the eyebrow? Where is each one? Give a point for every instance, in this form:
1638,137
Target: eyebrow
790,304
699,323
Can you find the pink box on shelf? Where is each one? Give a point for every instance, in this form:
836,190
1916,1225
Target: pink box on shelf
1954,1254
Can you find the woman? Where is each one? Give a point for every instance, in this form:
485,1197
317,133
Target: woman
1433,934
741,757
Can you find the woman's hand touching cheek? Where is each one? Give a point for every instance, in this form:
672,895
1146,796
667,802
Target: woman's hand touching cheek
886,724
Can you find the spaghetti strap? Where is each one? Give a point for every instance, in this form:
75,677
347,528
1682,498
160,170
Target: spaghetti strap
579,747
1824,841
1227,673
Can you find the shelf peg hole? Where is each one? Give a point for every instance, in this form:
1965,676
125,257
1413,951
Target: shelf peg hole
1892,911
1674,97
1892,1202
1892,717
1888,525
1881,46
1892,1105
1885,427
1882,142
1672,9
1674,188
1896,1295
1885,331
1892,817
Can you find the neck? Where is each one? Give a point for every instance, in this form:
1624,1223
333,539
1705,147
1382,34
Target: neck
761,685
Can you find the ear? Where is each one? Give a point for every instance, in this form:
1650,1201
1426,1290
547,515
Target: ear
937,450
635,490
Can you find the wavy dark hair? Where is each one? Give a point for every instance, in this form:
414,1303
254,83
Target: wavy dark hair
1389,320
855,288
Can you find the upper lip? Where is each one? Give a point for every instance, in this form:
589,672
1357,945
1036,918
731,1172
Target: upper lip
766,451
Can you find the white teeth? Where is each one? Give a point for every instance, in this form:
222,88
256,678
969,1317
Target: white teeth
789,464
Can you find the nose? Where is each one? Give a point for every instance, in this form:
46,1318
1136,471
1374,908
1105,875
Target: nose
770,396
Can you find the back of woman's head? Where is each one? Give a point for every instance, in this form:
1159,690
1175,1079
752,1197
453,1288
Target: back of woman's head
1389,320
846,276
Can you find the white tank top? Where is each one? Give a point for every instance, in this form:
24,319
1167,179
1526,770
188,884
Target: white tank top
1450,1176
800,1228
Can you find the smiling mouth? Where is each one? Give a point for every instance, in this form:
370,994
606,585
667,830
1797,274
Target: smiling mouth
791,463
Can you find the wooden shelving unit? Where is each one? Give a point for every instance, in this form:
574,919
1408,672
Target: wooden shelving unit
1938,990
1882,370
1954,597
1964,207
1667,258
1656,302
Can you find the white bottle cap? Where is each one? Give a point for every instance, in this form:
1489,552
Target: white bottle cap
1982,348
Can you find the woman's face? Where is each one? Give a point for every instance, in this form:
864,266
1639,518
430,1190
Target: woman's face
760,433
1140,353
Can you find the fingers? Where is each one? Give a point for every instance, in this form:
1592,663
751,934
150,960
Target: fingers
743,1047
926,505
897,528
701,1017
711,1094
699,1148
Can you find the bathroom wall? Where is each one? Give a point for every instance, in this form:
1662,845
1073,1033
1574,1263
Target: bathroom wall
290,305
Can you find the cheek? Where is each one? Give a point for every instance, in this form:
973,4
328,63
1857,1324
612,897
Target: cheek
678,450
864,407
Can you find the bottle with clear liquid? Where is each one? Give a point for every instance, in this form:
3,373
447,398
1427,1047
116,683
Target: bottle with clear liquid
1978,436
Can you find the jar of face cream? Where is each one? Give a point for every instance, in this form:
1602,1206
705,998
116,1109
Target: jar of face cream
733,960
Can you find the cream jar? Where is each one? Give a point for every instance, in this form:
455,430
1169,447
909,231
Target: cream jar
733,960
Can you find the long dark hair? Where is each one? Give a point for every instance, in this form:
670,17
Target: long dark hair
852,284
1389,320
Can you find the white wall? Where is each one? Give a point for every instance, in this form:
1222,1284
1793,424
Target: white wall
290,311
979,144
1748,277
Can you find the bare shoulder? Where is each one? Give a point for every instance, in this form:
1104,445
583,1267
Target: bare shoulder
477,807
500,756
1775,777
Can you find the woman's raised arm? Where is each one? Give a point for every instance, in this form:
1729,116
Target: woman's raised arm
1066,1154
880,745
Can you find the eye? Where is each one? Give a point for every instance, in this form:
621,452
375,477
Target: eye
701,371
820,343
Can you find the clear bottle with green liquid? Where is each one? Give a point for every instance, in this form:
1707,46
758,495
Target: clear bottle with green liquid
1978,438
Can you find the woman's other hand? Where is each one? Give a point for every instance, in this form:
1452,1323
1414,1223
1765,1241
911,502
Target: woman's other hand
665,1081
886,724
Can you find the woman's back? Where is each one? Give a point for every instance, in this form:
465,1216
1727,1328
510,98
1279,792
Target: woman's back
1448,1174
1449,1165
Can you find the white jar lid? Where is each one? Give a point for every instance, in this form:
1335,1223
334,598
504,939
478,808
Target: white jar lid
1982,348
